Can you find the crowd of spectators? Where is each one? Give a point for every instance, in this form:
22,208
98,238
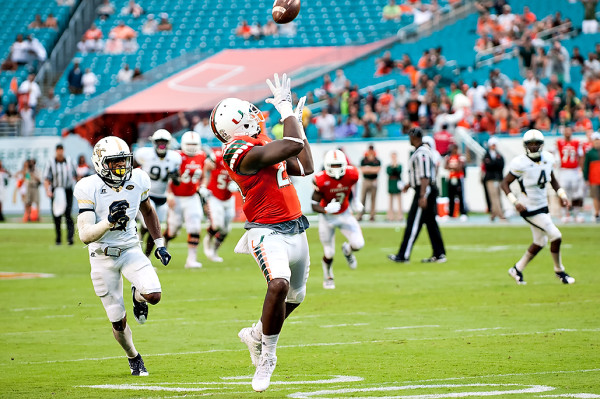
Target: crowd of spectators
259,31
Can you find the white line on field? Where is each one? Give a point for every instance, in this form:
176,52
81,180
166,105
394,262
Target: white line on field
572,395
480,329
408,327
502,375
344,325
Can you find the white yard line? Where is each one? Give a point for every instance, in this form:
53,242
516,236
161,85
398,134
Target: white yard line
344,325
409,327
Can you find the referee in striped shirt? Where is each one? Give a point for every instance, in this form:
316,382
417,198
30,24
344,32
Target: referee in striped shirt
421,177
60,172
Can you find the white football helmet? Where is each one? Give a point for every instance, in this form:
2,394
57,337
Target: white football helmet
335,164
533,141
107,152
161,139
190,143
234,117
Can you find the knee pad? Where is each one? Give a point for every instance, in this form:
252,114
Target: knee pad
193,239
357,242
296,295
328,251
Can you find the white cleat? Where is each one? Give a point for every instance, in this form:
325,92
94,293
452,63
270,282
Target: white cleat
350,258
254,345
215,258
206,246
329,284
192,264
264,370
463,218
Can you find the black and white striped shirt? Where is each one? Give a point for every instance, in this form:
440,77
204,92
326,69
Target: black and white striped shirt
61,174
421,165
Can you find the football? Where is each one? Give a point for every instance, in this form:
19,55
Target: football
284,11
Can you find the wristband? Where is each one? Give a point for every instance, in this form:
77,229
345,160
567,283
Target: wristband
562,194
512,198
295,139
159,242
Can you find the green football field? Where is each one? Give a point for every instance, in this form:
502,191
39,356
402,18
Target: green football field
460,329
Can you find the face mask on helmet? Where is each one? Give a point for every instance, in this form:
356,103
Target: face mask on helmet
234,117
190,143
533,141
161,139
335,164
113,161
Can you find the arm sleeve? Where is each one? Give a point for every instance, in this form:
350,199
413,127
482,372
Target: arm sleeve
88,230
235,152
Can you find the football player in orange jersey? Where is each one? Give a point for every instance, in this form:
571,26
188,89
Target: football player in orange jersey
570,177
275,224
331,198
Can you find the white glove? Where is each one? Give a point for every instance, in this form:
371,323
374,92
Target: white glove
282,96
357,206
333,207
204,192
232,187
298,112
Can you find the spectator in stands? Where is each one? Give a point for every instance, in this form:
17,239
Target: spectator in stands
270,29
123,32
27,120
401,97
125,75
395,186
493,163
74,79
494,96
346,129
526,54
591,173
370,166
325,124
256,31
422,14
582,122
590,23
37,22
391,11
412,106
91,40
113,45
370,120
150,26
20,51
137,74
288,30
576,58
244,30
105,10
50,101
133,9
164,25
559,62
385,64
528,16
89,80
506,19
540,63
69,3
477,94
202,127
532,84
31,90
11,115
516,95
83,168
339,83
130,45
51,22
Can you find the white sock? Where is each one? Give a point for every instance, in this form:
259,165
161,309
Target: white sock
525,259
139,297
125,339
257,330
558,266
192,250
349,247
269,344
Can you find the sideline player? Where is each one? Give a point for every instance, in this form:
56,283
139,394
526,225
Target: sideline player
183,201
570,154
533,170
161,164
275,225
219,205
108,203
333,189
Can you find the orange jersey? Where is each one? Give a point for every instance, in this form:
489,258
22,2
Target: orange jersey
454,162
219,179
269,196
191,173
336,189
569,152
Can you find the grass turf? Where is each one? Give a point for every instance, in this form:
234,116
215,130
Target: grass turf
458,329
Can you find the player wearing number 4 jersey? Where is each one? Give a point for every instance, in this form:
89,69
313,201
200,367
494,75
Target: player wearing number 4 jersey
108,203
533,170
331,199
183,201
275,234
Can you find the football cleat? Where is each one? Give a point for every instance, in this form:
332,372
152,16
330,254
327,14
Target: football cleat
350,258
215,258
193,264
140,309
264,370
137,366
207,246
254,345
435,259
565,278
397,259
517,275
329,284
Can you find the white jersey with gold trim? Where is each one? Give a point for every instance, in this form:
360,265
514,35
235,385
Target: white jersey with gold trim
532,177
94,195
158,168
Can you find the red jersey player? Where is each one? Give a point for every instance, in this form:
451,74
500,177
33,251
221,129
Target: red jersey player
570,177
333,189
275,227
219,203
184,204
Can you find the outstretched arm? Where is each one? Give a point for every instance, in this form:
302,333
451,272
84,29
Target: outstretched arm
302,164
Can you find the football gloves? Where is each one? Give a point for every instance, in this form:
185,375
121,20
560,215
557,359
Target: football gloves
204,192
162,255
357,206
117,210
333,207
282,96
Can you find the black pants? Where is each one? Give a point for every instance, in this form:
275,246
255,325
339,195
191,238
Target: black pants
456,190
67,215
416,218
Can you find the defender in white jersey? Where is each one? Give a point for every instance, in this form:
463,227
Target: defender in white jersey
108,204
533,170
162,165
